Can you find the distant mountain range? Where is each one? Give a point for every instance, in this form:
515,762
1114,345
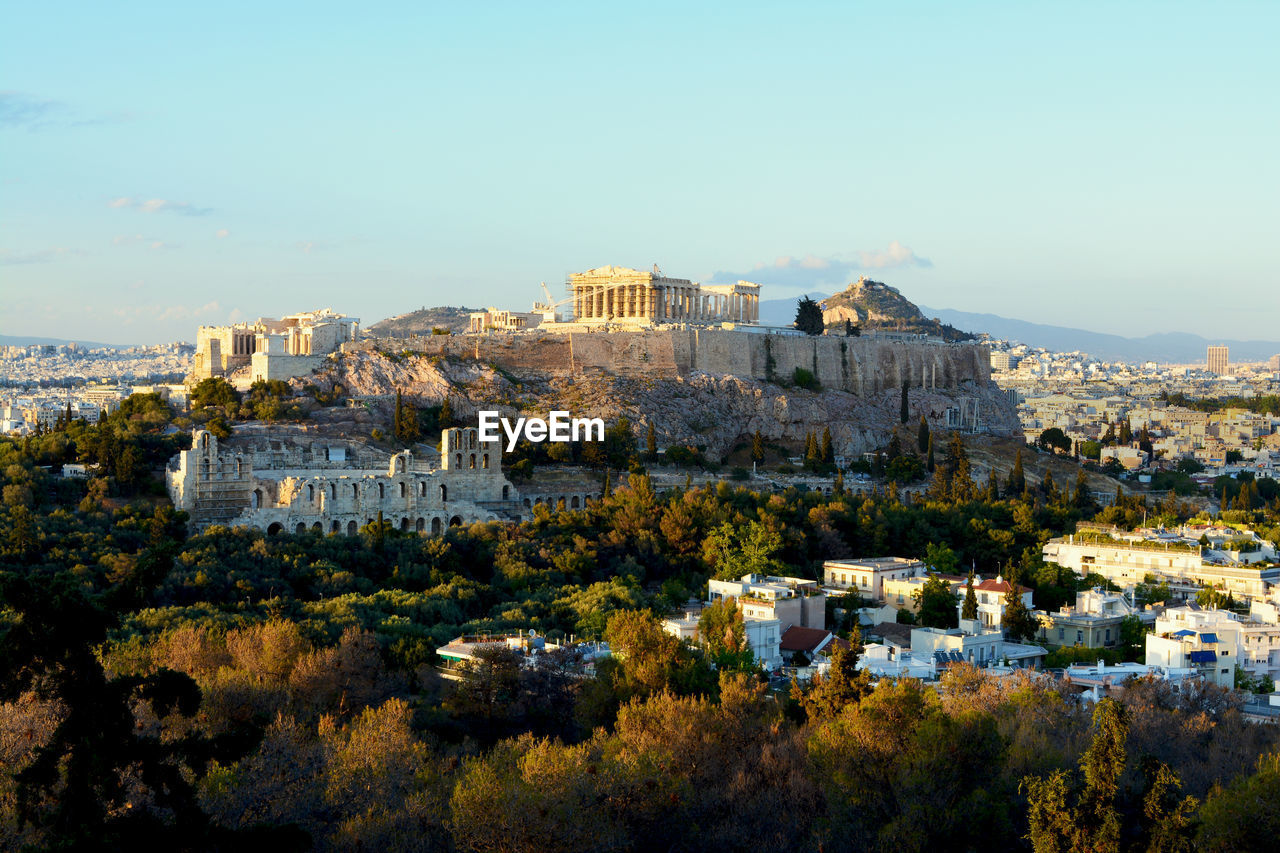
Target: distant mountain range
1174,347
28,340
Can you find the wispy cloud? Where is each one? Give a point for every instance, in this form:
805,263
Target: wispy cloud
812,271
40,256
897,255
139,240
159,205
21,111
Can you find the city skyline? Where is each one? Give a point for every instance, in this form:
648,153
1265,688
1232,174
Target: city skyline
1090,166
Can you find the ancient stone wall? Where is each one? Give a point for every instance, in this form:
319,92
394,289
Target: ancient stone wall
860,365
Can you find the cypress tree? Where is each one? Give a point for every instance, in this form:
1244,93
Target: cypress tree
922,435
757,447
993,486
1050,487
828,455
1017,478
905,413
970,609
930,463
1081,498
651,442
446,413
397,427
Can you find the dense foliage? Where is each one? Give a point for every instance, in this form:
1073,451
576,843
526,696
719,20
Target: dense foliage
228,690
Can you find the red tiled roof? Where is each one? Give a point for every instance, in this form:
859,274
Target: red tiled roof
999,586
798,639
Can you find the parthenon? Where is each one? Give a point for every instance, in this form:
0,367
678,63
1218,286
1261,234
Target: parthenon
623,295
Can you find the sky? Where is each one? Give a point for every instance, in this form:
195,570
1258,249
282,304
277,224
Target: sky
1106,165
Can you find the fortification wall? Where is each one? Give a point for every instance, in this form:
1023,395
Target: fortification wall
860,365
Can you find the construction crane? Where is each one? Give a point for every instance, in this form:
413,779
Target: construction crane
548,309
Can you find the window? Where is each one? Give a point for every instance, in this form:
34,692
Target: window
1079,638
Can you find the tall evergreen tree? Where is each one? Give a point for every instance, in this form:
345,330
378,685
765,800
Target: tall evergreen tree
930,463
828,454
1049,487
922,435
1017,478
905,410
1017,621
651,442
809,317
970,609
757,447
1081,498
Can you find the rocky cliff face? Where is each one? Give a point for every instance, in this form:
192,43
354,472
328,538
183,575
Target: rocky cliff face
696,408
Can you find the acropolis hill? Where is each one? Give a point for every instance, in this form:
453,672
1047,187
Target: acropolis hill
701,387
689,359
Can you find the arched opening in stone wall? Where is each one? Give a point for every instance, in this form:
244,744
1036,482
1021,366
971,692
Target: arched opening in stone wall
456,521
382,492
444,492
527,504
351,528
573,502
301,528
458,460
335,527
275,528
355,490
486,461
311,492
333,491
255,500
404,525
506,493
435,525
316,528
422,490
473,461
403,490
420,525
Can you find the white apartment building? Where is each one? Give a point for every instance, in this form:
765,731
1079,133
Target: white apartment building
1126,558
867,577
